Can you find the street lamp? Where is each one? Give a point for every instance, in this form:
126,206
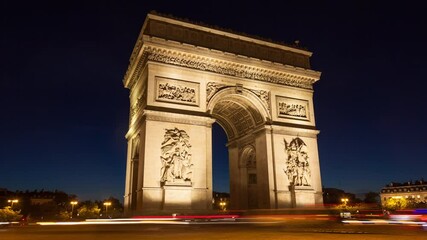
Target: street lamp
344,200
222,205
72,207
106,204
12,201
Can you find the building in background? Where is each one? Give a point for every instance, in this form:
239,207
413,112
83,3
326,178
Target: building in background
220,201
411,190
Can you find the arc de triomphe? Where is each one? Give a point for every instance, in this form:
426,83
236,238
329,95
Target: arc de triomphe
182,78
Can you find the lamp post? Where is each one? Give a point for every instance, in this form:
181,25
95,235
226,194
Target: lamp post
345,214
106,204
222,205
12,201
72,207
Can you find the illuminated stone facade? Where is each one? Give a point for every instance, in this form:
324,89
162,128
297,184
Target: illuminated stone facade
182,78
416,191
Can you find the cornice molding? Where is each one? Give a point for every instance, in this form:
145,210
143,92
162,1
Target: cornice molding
293,131
177,118
193,61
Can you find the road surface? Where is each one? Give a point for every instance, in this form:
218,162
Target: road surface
289,230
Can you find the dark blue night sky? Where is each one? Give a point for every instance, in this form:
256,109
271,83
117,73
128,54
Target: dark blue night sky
64,110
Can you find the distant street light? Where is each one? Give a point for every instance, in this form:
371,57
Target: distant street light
344,200
106,204
12,201
72,207
222,205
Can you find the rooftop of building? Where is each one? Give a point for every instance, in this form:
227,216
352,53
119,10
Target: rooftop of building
409,183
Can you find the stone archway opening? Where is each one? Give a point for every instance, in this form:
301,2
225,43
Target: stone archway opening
220,167
238,113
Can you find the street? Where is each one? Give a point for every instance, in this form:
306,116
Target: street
289,229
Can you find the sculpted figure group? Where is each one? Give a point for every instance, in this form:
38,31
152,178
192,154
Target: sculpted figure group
176,156
297,166
295,110
179,93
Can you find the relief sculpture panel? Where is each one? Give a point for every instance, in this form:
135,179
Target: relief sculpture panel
212,88
177,91
264,96
292,108
297,165
176,158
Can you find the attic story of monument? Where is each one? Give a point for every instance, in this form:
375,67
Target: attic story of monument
182,78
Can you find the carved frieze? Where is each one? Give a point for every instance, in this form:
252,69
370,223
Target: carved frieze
297,164
292,108
212,88
264,96
176,158
226,68
177,91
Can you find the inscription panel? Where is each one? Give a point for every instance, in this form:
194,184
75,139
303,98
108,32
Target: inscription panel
292,108
177,91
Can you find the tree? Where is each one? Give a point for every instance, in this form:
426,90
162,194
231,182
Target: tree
347,207
334,196
41,204
64,215
7,214
393,204
114,210
44,211
371,197
88,210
